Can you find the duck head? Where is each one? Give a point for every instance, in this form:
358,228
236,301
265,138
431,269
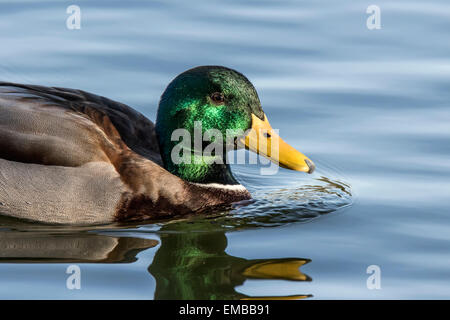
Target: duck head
211,101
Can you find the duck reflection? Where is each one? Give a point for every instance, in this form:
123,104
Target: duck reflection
29,247
193,265
191,262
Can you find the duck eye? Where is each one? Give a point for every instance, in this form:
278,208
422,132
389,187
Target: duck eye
217,97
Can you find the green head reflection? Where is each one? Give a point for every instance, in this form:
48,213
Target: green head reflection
192,264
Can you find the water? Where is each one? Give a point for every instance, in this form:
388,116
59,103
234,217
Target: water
370,107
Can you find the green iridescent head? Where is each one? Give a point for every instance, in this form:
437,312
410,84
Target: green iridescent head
221,99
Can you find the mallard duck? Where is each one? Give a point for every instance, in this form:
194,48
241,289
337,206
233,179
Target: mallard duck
71,157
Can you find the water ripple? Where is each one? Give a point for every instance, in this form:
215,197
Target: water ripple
288,205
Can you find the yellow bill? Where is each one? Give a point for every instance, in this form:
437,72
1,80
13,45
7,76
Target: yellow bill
263,140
